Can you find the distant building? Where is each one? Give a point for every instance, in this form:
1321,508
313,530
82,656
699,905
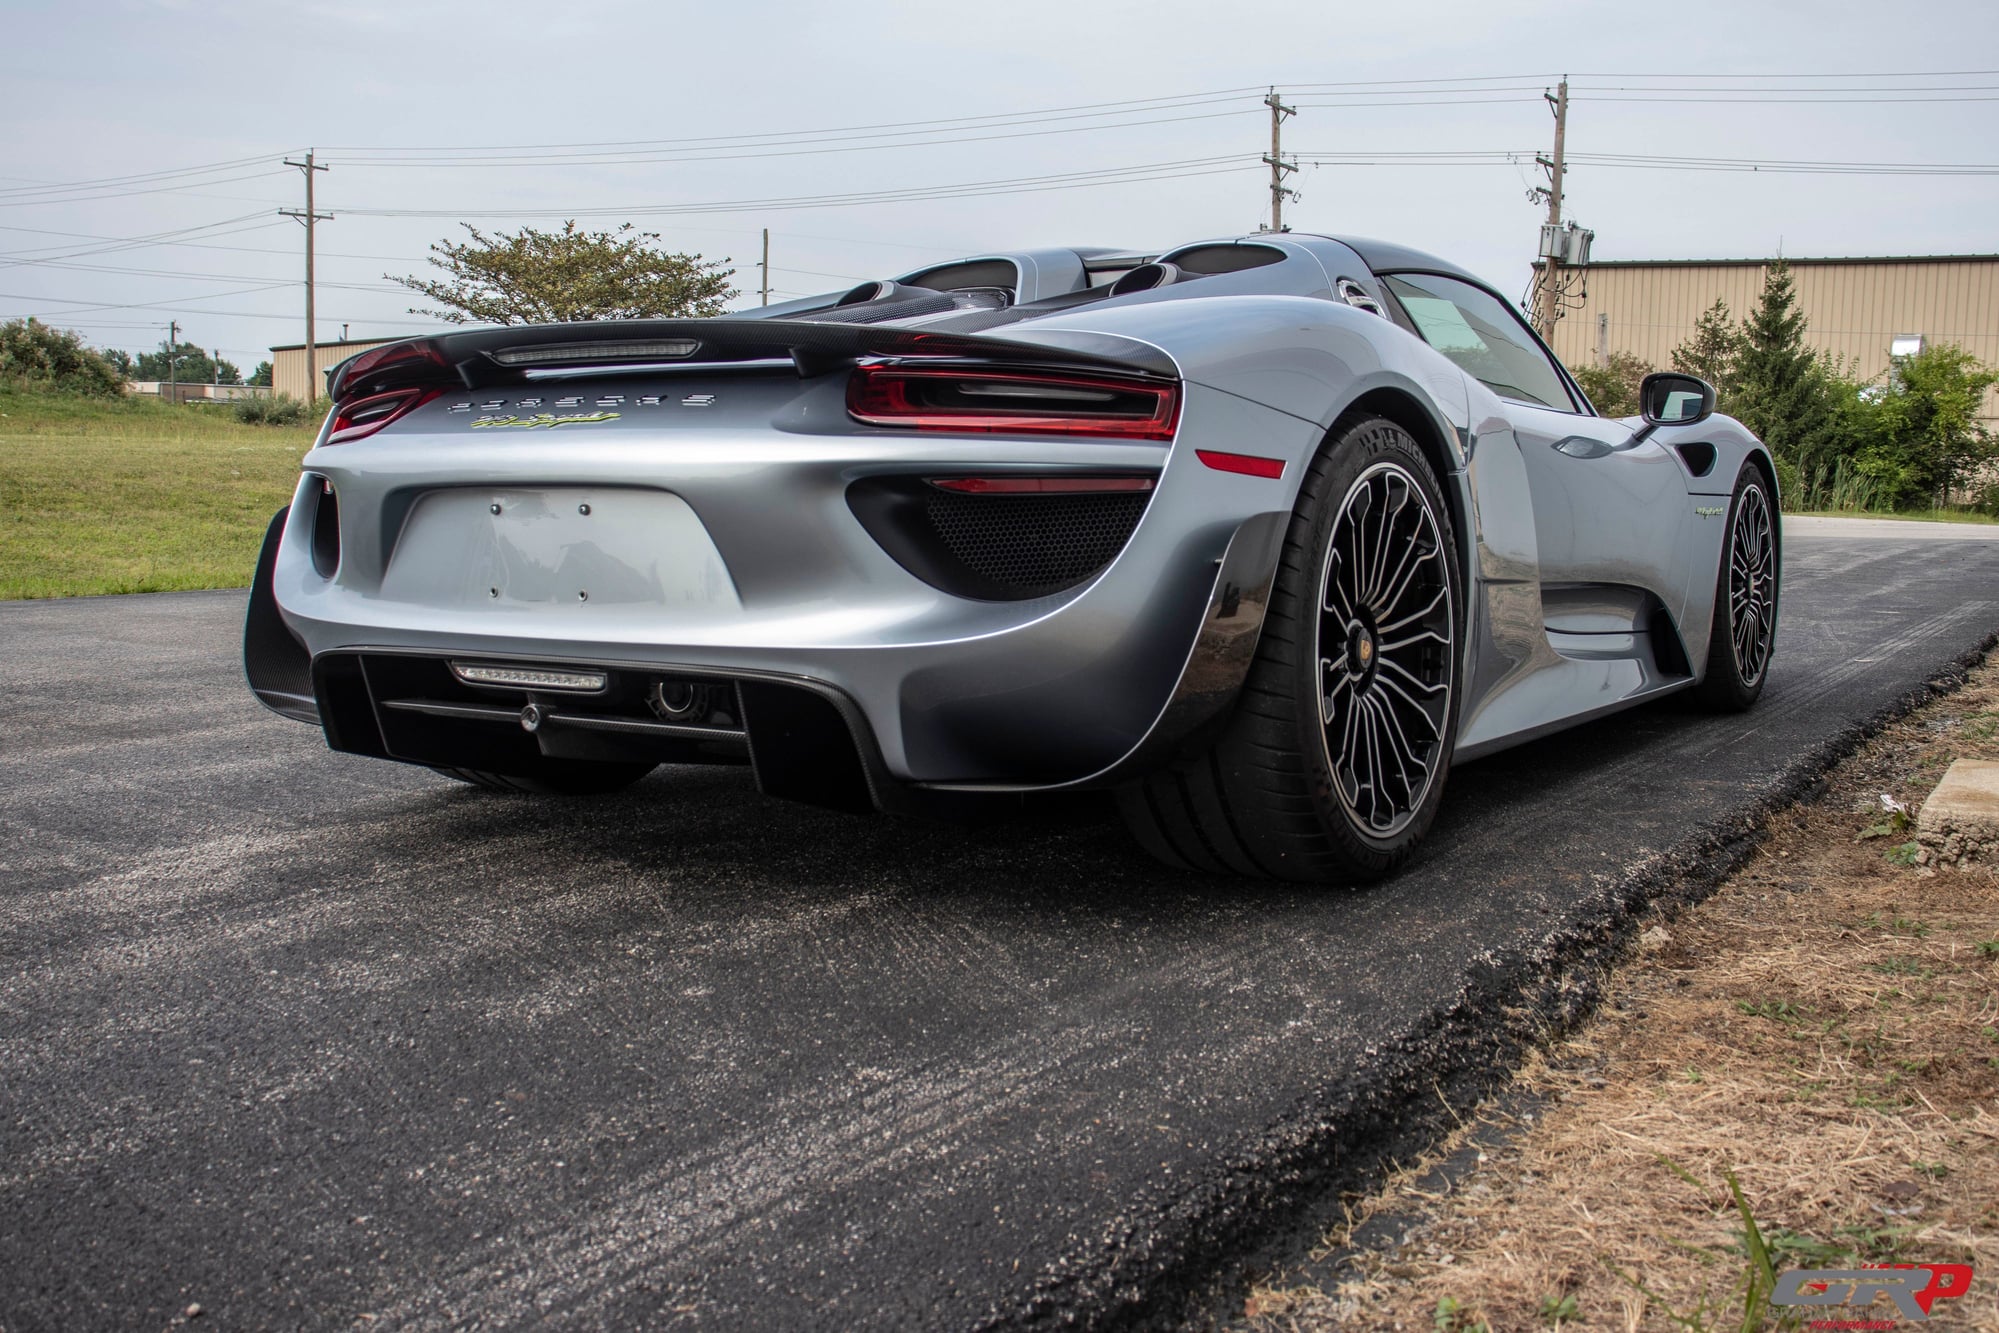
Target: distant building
1857,309
288,370
184,392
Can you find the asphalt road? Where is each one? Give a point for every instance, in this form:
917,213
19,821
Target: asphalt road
306,1038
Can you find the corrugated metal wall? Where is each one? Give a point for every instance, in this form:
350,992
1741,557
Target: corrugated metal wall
288,373
1851,309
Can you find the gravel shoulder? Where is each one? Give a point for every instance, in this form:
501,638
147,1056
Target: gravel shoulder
1824,1029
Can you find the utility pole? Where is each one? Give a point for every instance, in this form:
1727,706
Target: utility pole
764,268
1279,167
1548,295
173,346
309,217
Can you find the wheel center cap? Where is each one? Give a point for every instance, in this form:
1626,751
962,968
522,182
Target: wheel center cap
1360,649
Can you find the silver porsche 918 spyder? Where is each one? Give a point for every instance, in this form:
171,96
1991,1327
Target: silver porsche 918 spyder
1262,533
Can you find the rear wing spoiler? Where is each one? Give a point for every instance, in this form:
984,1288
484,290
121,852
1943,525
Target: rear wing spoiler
481,358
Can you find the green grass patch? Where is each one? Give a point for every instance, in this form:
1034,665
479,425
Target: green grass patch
135,495
1913,515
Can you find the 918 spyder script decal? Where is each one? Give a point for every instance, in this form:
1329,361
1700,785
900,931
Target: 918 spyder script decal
547,419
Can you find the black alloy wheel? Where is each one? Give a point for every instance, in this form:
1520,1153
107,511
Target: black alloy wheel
1333,763
1752,585
1384,649
1743,632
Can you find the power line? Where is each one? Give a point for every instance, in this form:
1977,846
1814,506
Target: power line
1847,88
126,194
134,242
82,305
1837,74
19,257
1136,106
199,277
1790,168
1499,157
1780,99
1183,169
1530,81
140,178
737,154
77,306
810,273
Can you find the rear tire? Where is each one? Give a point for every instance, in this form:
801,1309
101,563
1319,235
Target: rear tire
556,777
1332,766
1743,633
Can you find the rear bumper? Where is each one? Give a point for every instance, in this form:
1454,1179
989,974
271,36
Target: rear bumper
740,558
808,738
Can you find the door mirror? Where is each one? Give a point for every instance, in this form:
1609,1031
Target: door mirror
1668,399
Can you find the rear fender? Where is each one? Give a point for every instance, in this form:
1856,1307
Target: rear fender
276,664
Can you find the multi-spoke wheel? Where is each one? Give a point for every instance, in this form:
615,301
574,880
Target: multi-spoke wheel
1744,628
1333,764
1384,649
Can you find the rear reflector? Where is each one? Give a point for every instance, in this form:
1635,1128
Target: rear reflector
530,678
1250,465
362,417
1005,400
1041,485
597,353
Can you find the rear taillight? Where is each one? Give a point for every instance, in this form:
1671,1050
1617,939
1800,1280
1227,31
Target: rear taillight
1014,401
359,418
380,368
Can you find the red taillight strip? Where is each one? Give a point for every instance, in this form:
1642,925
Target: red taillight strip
1250,465
391,406
879,395
1041,485
414,360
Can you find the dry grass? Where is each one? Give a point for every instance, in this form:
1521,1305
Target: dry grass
1825,1027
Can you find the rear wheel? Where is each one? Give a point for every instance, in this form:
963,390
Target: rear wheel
556,777
1744,630
1333,764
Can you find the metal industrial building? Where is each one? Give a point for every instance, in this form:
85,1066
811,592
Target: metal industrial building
1854,308
288,372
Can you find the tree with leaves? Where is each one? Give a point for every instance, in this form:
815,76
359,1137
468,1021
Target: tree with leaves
537,277
1926,437
1613,387
1781,389
261,376
1712,351
35,356
185,363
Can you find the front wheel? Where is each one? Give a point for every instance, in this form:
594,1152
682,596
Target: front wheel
1333,764
1744,629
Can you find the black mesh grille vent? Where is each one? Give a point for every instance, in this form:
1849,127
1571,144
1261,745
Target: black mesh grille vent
1033,544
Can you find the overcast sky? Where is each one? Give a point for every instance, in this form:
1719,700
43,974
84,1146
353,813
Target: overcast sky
98,91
